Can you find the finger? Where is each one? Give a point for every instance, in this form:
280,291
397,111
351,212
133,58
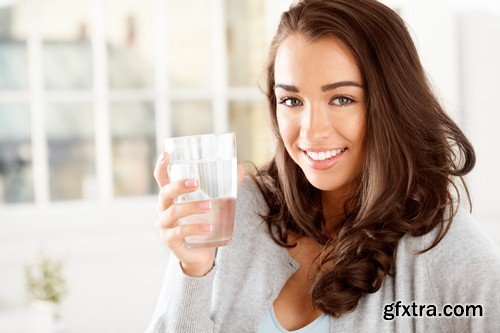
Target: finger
241,173
174,237
170,217
160,173
172,190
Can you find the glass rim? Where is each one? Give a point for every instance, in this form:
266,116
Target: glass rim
186,137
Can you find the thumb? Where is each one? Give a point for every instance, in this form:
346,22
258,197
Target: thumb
241,173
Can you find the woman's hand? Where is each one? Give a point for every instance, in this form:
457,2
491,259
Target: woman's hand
197,261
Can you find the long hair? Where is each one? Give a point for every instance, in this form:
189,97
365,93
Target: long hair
414,155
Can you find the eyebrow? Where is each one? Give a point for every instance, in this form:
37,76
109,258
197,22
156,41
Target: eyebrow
325,88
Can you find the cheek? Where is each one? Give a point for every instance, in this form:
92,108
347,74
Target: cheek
358,140
354,130
285,128
279,119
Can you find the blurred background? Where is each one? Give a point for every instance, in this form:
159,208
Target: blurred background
90,88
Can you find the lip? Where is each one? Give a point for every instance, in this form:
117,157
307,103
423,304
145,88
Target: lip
317,150
323,165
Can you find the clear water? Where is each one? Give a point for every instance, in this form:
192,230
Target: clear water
217,178
221,216
218,183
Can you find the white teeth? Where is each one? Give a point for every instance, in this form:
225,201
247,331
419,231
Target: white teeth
323,155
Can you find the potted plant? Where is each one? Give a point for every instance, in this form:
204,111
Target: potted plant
46,285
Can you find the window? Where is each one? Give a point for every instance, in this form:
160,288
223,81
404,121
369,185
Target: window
90,88
16,165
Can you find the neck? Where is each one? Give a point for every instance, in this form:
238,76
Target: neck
333,207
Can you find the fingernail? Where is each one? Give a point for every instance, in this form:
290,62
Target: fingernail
205,205
207,227
191,183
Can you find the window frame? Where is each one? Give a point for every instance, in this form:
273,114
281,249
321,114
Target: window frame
161,94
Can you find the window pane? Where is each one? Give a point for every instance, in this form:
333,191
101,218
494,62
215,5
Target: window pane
13,51
189,38
16,173
130,43
246,41
253,132
191,118
134,148
70,134
67,55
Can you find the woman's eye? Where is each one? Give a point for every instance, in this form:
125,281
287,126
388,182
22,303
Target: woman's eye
290,102
342,100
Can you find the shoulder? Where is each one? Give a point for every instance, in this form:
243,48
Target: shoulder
250,197
462,272
465,243
250,205
466,257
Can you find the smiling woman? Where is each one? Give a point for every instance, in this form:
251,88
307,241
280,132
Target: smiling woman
359,208
346,77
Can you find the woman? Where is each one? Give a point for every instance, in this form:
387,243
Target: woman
355,224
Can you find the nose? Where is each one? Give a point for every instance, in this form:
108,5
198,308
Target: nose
315,125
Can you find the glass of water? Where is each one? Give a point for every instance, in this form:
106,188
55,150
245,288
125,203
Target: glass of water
210,158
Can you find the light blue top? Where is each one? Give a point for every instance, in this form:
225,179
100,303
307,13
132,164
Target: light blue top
269,324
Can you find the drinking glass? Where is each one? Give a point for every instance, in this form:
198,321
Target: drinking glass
210,158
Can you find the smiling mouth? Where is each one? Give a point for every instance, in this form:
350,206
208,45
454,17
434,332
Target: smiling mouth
324,155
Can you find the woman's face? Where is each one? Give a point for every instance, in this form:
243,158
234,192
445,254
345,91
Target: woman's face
321,110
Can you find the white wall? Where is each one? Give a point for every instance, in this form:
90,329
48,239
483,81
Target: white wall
480,91
459,45
114,261
435,35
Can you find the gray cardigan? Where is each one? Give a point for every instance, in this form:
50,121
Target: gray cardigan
463,269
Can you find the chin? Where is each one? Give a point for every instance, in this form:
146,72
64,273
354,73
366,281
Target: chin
324,182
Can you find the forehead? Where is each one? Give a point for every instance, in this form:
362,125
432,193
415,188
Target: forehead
318,62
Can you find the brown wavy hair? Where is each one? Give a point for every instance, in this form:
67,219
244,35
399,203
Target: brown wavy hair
415,153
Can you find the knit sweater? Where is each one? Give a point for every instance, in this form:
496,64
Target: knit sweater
462,271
